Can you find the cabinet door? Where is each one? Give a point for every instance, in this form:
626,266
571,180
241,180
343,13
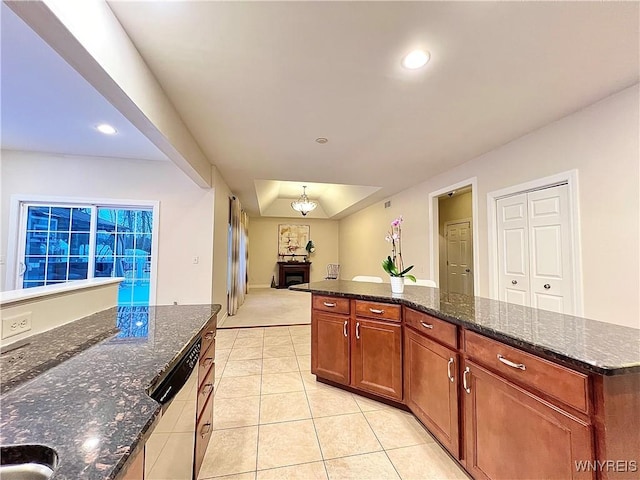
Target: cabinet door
330,346
431,387
376,361
512,434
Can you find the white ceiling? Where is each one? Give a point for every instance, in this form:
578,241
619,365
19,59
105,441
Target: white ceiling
257,82
48,107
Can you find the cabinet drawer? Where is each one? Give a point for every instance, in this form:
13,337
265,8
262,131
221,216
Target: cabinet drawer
331,304
444,332
204,428
208,334
205,389
205,363
378,310
553,380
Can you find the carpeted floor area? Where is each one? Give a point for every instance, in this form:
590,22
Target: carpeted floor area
269,307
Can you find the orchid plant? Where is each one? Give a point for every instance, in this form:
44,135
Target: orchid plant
393,264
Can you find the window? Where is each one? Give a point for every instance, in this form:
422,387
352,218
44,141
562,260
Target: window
61,242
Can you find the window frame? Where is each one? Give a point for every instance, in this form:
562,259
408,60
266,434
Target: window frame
18,219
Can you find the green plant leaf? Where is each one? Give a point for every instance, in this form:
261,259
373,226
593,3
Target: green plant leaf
406,270
411,277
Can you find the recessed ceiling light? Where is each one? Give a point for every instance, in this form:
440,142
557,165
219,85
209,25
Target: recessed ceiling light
106,129
416,59
322,140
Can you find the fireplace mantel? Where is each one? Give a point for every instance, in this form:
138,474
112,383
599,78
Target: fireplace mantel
292,273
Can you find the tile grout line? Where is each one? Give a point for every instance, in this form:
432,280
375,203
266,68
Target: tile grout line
313,422
383,447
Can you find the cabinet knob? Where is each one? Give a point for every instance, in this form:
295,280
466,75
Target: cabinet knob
547,286
514,282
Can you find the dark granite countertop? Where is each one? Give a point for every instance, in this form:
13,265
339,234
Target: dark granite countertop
92,407
580,343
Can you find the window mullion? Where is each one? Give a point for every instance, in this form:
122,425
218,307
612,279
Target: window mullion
93,236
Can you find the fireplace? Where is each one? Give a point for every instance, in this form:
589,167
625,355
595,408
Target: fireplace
292,273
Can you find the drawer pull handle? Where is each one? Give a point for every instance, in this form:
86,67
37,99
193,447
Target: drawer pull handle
206,428
449,364
547,286
344,328
426,325
208,335
465,385
207,361
358,330
376,310
327,304
206,389
511,364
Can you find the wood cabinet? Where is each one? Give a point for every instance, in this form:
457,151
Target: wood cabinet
330,346
512,434
376,359
204,402
359,352
502,412
431,387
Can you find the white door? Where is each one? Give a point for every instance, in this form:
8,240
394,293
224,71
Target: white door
459,258
513,250
551,269
534,258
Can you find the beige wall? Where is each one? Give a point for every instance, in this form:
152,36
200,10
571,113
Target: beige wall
600,141
263,247
186,227
450,209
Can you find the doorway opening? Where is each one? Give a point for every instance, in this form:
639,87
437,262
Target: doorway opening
454,259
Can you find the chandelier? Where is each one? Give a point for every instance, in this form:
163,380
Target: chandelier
303,204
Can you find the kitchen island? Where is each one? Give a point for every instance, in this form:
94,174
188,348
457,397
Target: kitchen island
509,391
92,406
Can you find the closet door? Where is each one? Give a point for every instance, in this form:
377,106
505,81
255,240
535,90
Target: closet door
513,250
534,250
549,244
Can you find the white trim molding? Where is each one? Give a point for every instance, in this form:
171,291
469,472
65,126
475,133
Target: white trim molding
434,241
570,178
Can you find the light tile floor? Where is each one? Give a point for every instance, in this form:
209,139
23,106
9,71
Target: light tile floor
272,420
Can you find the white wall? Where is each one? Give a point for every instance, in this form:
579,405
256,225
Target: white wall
186,225
600,141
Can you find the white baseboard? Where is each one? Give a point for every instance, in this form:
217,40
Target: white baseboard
259,285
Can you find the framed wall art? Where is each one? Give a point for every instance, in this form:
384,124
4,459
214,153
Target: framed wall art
292,239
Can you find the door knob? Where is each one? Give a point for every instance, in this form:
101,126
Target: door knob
467,270
514,282
547,286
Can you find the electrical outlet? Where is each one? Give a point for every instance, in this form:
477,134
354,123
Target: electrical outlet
17,324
